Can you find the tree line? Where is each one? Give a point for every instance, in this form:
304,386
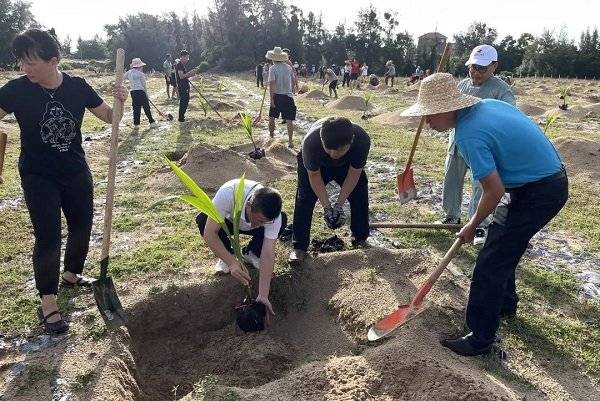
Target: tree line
234,35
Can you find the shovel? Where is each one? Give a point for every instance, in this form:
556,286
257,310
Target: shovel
405,313
430,226
405,182
3,140
207,102
262,103
104,289
168,116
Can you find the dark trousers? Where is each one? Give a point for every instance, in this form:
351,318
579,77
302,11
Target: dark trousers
306,199
258,233
389,77
346,79
259,80
184,101
45,197
520,215
139,99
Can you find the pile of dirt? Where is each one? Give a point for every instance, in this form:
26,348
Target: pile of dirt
581,157
220,105
390,91
211,166
519,91
395,119
349,103
573,113
280,151
593,98
530,109
592,110
315,94
303,89
310,350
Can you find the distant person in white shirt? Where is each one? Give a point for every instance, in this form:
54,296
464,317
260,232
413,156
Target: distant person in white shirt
139,93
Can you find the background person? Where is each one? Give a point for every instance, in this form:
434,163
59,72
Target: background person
481,83
139,93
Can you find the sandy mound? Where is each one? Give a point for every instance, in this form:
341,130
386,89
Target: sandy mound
315,94
390,91
211,166
303,89
593,98
307,353
581,156
592,110
395,119
573,113
349,103
220,105
280,151
530,109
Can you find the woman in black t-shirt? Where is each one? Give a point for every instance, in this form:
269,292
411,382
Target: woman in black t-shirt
49,106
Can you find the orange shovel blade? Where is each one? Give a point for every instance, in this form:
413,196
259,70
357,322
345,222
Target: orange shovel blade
397,318
405,186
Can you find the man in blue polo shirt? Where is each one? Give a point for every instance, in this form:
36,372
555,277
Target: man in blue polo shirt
524,185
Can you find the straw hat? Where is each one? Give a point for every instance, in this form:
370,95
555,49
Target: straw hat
439,94
277,54
137,62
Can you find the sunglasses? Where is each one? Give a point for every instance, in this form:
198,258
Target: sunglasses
480,68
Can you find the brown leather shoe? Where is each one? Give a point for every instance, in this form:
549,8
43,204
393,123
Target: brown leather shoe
297,257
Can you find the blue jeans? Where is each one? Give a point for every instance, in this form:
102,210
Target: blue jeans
517,218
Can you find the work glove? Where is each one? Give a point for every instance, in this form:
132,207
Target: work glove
334,216
328,216
339,214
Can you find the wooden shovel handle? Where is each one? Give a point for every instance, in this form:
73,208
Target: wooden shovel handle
207,102
3,140
440,68
262,103
438,226
117,111
426,287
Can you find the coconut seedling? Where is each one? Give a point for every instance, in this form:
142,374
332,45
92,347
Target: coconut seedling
202,202
220,86
550,120
565,91
204,107
367,98
257,153
250,314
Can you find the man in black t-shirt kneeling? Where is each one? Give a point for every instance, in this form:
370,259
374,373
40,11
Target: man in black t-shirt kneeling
334,149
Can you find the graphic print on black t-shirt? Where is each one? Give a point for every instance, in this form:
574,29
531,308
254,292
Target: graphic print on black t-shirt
58,127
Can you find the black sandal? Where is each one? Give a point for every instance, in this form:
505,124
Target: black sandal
81,282
53,328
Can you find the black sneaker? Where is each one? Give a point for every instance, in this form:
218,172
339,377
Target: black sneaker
450,220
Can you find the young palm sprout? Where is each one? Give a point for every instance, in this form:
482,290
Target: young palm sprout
550,120
565,91
367,98
201,201
257,153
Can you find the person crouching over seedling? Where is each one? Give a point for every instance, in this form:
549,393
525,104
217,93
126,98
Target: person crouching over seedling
139,93
261,218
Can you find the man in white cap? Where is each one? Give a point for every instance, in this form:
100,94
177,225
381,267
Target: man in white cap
280,90
507,153
481,83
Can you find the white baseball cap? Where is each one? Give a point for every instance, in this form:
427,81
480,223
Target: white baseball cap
483,55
